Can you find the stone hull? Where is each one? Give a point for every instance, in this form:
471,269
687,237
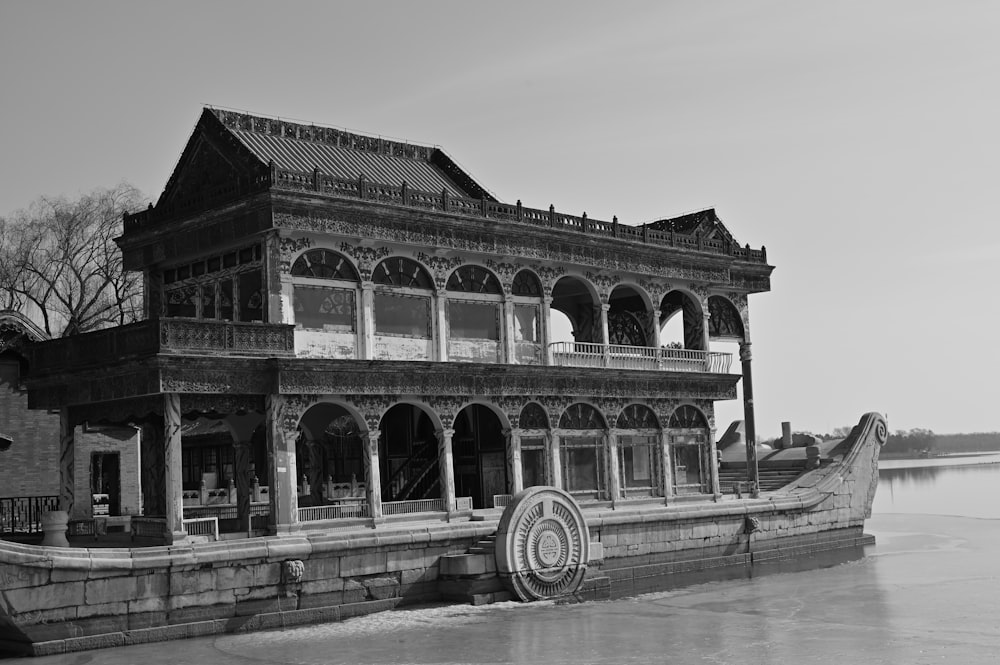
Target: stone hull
57,599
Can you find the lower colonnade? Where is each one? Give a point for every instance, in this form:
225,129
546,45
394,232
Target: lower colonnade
278,464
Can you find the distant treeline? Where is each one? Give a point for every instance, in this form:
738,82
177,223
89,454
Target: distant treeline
918,441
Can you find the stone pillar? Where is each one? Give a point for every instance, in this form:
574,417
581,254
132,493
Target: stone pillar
555,464
67,464
441,325
547,329
713,458
368,321
447,468
282,492
606,334
243,479
706,319
317,474
656,329
510,351
173,468
614,468
373,476
516,470
748,419
786,434
667,467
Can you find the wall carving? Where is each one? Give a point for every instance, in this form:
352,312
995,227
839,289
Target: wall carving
513,240
366,258
288,248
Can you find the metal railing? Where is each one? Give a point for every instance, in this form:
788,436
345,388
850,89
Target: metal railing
502,500
619,356
202,526
23,514
412,506
334,511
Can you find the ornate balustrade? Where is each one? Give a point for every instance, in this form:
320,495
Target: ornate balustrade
23,514
361,188
164,336
618,356
413,506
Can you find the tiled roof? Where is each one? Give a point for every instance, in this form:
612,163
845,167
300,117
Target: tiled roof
706,222
343,154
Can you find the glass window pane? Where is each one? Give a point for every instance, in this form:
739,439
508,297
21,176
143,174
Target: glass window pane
474,320
526,323
327,309
533,466
251,296
208,301
402,315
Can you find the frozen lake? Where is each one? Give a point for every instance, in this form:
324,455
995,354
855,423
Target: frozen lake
928,592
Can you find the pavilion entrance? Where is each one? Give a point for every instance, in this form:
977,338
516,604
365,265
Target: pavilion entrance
479,449
408,455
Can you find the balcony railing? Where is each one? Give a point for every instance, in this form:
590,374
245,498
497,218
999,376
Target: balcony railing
23,514
618,356
194,336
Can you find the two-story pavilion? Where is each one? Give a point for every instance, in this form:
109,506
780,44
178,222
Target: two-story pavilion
344,328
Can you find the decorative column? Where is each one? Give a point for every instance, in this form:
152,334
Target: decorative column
748,420
173,479
614,478
555,465
243,479
373,476
67,463
317,474
368,320
606,333
447,468
667,468
656,329
510,352
441,325
706,319
713,454
547,329
516,471
282,492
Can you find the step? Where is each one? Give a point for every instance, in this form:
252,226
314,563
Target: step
467,565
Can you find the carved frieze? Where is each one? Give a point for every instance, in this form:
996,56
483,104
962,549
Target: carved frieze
366,258
288,248
512,240
505,272
372,408
441,267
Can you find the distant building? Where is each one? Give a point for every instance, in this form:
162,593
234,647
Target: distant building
343,327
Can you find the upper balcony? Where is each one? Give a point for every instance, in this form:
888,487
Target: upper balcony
175,336
618,356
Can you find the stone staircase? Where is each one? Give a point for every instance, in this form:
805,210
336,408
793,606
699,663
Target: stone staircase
472,577
770,479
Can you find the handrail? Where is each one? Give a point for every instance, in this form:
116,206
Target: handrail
620,356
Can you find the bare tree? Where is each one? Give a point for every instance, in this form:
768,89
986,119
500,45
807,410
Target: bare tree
59,255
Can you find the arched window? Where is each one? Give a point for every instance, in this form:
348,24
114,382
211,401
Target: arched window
477,317
582,449
402,303
533,420
526,284
474,279
689,451
324,264
400,271
319,307
638,451
724,319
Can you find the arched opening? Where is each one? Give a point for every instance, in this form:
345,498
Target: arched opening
638,451
480,455
577,301
408,455
534,425
581,447
629,318
679,305
329,456
689,451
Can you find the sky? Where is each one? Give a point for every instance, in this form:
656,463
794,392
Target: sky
857,141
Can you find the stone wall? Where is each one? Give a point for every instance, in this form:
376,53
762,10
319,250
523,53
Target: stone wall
79,598
121,440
